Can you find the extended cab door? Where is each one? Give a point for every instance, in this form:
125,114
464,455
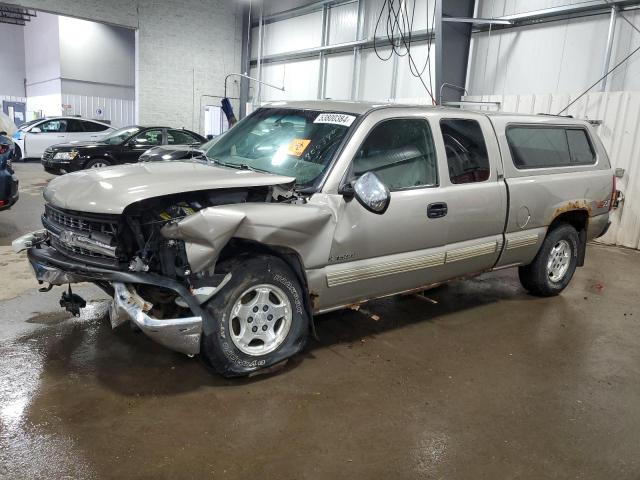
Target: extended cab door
475,191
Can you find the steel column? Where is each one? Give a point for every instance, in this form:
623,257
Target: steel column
245,57
607,53
322,67
357,53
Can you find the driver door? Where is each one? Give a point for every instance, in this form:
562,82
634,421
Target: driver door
404,247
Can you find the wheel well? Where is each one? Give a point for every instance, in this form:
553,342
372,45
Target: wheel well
237,246
578,219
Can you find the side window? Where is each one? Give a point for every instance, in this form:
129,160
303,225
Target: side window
74,126
580,147
467,156
401,153
150,137
93,127
54,126
179,137
537,147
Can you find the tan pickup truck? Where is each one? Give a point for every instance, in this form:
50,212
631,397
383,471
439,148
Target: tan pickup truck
307,207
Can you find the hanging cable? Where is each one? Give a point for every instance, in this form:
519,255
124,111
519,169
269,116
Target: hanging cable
399,32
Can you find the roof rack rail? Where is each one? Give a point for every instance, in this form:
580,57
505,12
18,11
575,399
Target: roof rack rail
554,115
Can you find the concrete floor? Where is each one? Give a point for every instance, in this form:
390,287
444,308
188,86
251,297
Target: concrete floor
486,383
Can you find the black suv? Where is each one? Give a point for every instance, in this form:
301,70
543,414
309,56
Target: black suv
122,146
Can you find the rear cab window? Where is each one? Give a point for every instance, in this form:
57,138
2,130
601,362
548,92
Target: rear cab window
467,157
544,146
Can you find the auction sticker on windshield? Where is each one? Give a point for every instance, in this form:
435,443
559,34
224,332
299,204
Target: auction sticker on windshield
335,118
298,146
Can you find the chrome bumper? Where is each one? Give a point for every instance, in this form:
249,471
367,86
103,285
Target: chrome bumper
179,334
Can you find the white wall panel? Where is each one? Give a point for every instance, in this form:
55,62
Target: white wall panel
409,87
343,23
564,56
300,79
375,75
297,33
339,76
619,131
118,111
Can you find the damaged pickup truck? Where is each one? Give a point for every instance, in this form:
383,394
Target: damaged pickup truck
307,207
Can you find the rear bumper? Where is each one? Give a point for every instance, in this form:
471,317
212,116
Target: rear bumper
179,334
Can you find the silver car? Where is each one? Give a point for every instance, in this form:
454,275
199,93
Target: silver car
307,207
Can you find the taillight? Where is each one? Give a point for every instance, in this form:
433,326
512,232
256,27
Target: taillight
613,194
4,148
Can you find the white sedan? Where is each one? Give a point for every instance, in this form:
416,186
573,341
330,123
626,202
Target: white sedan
32,138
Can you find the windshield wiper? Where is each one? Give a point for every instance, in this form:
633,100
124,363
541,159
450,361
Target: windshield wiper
237,166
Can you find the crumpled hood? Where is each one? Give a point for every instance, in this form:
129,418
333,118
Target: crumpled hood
112,189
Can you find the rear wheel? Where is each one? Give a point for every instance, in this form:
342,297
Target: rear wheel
257,320
97,163
554,265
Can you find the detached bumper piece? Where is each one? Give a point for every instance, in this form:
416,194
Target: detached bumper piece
179,334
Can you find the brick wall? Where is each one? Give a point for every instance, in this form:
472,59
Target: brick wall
185,49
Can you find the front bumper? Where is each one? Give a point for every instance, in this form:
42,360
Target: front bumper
179,334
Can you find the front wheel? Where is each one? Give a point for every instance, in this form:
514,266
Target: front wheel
554,265
257,320
97,163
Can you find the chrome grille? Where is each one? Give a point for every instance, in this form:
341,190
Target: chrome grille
80,223
57,221
47,156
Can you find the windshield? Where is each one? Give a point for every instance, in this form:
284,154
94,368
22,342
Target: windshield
120,136
295,143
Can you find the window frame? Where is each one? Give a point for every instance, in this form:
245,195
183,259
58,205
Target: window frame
144,132
565,127
91,122
485,149
59,120
183,132
348,176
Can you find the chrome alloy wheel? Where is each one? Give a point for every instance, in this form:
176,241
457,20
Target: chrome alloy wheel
260,319
99,165
559,260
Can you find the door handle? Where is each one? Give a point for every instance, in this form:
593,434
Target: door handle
437,210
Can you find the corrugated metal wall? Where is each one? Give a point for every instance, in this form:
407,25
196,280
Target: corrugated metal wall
116,110
620,133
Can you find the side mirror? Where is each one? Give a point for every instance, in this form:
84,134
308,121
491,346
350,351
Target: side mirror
3,133
35,130
372,193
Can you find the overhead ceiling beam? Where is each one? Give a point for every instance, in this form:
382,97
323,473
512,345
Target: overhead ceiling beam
478,21
562,12
417,36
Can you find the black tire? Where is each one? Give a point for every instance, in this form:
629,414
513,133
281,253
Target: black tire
17,154
95,161
536,278
219,349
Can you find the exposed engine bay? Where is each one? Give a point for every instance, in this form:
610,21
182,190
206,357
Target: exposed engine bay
134,241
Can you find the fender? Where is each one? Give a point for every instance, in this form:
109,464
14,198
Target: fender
306,229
